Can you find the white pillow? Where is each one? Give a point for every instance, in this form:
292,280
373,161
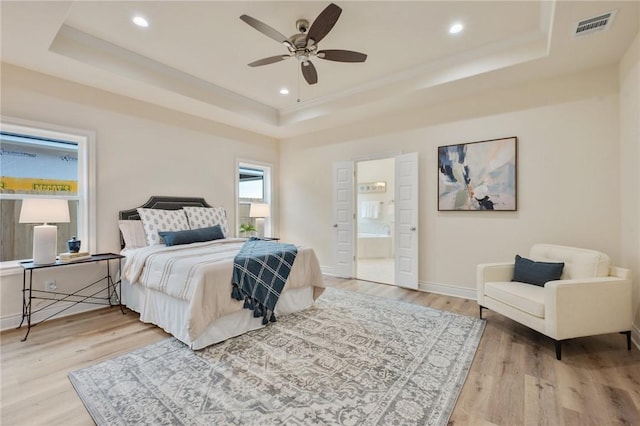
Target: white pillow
133,233
203,217
155,220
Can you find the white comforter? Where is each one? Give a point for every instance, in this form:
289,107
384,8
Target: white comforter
200,273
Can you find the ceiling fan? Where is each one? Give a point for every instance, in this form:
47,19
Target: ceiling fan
304,45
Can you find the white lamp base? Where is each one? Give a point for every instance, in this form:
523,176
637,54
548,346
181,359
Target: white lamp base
45,243
260,226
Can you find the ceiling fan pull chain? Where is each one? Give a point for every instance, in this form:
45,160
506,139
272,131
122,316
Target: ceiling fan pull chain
298,74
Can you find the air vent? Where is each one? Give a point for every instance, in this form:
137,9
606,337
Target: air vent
592,25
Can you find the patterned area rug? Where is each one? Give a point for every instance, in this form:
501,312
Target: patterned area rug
352,359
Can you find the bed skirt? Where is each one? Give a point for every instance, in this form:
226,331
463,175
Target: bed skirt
171,314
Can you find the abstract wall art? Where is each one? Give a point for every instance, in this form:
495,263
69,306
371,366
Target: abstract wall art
478,175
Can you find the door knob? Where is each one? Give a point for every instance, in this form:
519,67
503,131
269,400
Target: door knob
413,228
335,225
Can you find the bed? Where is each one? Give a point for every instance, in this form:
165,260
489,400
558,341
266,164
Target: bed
186,288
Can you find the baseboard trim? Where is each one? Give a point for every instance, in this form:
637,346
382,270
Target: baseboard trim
327,270
12,321
447,290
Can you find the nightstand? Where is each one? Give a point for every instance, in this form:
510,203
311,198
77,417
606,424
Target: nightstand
113,288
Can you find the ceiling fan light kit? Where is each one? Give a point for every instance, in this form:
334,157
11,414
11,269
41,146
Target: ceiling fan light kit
304,45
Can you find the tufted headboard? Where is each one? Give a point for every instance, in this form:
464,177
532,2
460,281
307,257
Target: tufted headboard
161,202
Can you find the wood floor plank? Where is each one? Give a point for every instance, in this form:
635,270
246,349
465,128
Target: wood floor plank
616,407
514,379
576,418
461,417
574,387
627,377
474,399
506,402
541,406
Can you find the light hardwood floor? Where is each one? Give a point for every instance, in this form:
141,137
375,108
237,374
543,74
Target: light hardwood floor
514,379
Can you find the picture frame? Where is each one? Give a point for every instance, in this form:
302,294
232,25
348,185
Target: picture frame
478,176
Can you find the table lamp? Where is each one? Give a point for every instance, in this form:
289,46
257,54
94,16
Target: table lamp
259,211
45,237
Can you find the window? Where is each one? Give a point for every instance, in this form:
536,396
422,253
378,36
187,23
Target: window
43,161
251,186
254,186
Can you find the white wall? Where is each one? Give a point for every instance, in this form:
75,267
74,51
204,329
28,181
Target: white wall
629,74
142,150
568,182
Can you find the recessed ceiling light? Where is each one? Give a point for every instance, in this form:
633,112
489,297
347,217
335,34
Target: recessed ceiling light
284,91
456,28
140,21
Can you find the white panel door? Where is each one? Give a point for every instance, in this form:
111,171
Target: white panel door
343,218
406,214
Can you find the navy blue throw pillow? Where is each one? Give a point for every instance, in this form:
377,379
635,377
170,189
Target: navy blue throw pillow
538,273
191,236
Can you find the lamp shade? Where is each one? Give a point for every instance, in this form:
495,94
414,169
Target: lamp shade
44,210
259,210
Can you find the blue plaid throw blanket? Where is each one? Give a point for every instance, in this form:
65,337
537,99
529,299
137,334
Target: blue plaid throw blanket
260,271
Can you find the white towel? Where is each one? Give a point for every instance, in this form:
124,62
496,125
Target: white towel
369,209
364,210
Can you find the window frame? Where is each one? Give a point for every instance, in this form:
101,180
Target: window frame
86,196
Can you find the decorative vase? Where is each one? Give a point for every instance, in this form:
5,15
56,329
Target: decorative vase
73,245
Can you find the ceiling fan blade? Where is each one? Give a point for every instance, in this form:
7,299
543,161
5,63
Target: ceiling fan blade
323,23
269,60
309,72
267,30
341,55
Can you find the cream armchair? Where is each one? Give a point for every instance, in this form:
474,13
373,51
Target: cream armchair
591,297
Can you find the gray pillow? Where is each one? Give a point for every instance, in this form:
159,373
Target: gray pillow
537,273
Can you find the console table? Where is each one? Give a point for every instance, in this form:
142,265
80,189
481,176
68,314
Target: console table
113,289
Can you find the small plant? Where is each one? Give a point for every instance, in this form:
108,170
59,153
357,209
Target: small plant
247,227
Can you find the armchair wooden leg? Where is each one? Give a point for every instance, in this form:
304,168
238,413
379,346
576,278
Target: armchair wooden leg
558,349
628,333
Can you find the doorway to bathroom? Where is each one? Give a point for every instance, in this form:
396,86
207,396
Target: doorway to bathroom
355,211
375,221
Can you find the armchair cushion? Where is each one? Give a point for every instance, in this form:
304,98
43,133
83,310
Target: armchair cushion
524,297
538,273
